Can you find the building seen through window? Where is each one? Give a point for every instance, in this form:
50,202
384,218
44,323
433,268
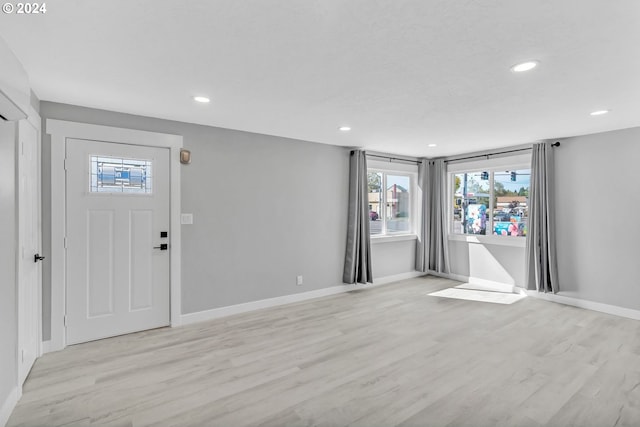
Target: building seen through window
389,203
491,202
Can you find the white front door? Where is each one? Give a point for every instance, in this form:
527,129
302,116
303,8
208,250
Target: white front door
29,276
117,214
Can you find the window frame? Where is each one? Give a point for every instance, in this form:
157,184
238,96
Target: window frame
400,169
492,165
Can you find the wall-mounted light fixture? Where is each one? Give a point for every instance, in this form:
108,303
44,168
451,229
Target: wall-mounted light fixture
185,156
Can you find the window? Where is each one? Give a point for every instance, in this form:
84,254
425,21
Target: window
116,175
390,202
491,202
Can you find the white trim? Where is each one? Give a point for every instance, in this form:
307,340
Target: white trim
57,255
560,299
411,171
396,278
586,304
8,405
388,238
488,164
36,121
60,130
46,347
518,242
450,276
230,310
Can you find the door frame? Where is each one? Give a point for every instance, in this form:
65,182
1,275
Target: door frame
60,130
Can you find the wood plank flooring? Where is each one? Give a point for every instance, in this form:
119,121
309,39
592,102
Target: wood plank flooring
384,356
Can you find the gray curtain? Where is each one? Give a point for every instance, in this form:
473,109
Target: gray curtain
542,269
432,251
357,262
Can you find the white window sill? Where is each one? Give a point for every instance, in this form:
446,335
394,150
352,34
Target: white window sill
392,238
518,242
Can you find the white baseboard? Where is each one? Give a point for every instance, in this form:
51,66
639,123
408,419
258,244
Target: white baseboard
216,313
560,299
586,304
46,347
8,405
230,310
452,276
396,278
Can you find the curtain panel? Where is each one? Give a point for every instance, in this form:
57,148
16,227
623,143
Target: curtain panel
357,263
432,250
541,262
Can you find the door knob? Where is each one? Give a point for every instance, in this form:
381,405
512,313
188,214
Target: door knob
37,258
162,247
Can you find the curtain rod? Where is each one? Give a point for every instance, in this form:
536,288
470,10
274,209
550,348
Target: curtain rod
417,162
555,144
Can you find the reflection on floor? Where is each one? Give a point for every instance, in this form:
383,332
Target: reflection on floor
475,292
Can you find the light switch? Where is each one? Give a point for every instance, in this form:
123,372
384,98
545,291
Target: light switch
186,218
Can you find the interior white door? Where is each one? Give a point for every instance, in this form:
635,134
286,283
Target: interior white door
29,276
117,250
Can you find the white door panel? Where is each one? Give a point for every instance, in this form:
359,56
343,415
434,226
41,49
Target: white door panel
141,291
117,282
28,238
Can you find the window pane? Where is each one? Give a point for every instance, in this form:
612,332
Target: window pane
397,204
116,175
471,202
511,202
375,183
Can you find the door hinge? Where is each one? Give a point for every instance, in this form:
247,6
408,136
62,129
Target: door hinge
65,242
65,320
22,355
65,163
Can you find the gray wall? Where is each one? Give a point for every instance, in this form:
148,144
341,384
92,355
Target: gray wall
597,208
597,237
8,315
497,263
391,258
266,209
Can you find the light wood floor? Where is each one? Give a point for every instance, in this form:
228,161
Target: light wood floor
383,356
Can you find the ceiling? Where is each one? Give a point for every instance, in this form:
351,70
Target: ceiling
401,74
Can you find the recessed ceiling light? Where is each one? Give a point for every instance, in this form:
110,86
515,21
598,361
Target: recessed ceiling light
599,112
202,99
524,66
432,145
344,128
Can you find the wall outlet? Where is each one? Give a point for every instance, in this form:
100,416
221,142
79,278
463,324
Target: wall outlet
299,280
186,218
